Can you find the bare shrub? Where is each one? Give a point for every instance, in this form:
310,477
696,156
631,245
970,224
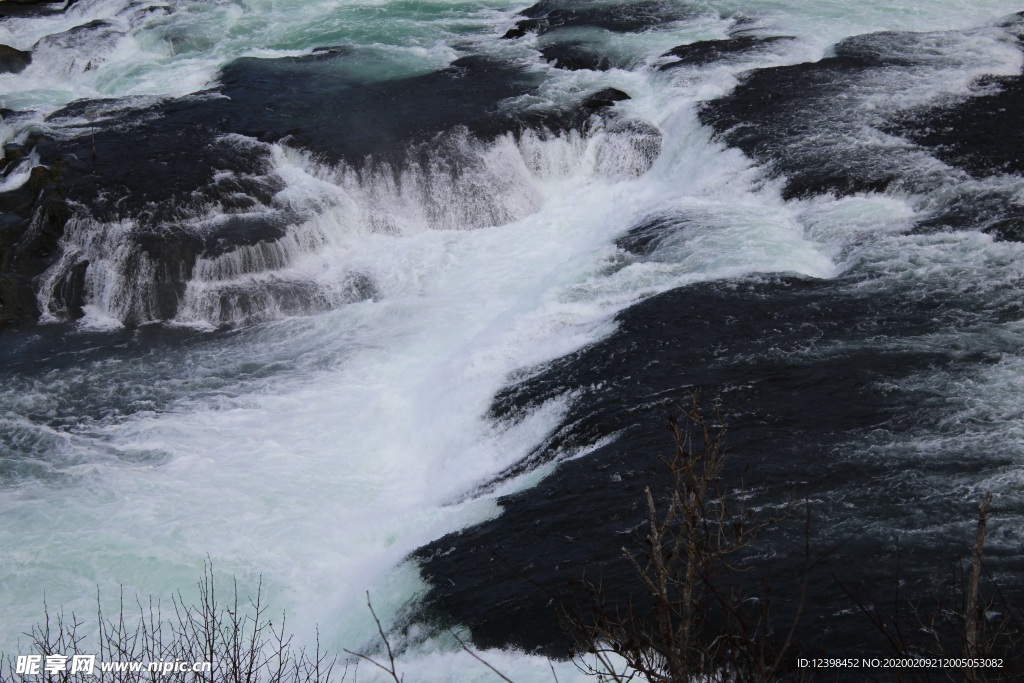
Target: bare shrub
703,624
972,620
236,637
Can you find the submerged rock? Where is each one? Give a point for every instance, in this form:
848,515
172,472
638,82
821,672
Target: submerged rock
709,51
980,134
575,56
799,119
804,123
620,17
78,49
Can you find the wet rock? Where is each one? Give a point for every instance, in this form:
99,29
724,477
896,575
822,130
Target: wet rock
13,61
798,122
172,251
786,117
69,292
39,244
14,153
646,237
605,98
710,51
623,17
722,337
296,298
322,109
78,49
193,176
17,301
32,219
982,135
156,164
33,8
575,56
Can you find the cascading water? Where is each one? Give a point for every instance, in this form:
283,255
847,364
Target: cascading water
307,350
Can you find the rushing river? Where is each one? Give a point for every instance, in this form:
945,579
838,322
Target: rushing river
335,281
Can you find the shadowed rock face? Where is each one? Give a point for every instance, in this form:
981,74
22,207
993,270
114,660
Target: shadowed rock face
32,220
13,61
160,164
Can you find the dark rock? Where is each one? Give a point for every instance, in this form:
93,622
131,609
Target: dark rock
324,110
982,134
726,338
514,33
709,51
798,121
80,48
243,303
69,292
32,219
164,165
605,98
783,116
158,162
548,15
33,8
18,202
38,247
17,301
15,152
13,156
173,250
646,237
575,57
13,61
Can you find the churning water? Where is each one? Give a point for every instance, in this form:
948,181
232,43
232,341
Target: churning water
417,314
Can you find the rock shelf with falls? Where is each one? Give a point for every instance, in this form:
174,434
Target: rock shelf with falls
381,289
129,204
